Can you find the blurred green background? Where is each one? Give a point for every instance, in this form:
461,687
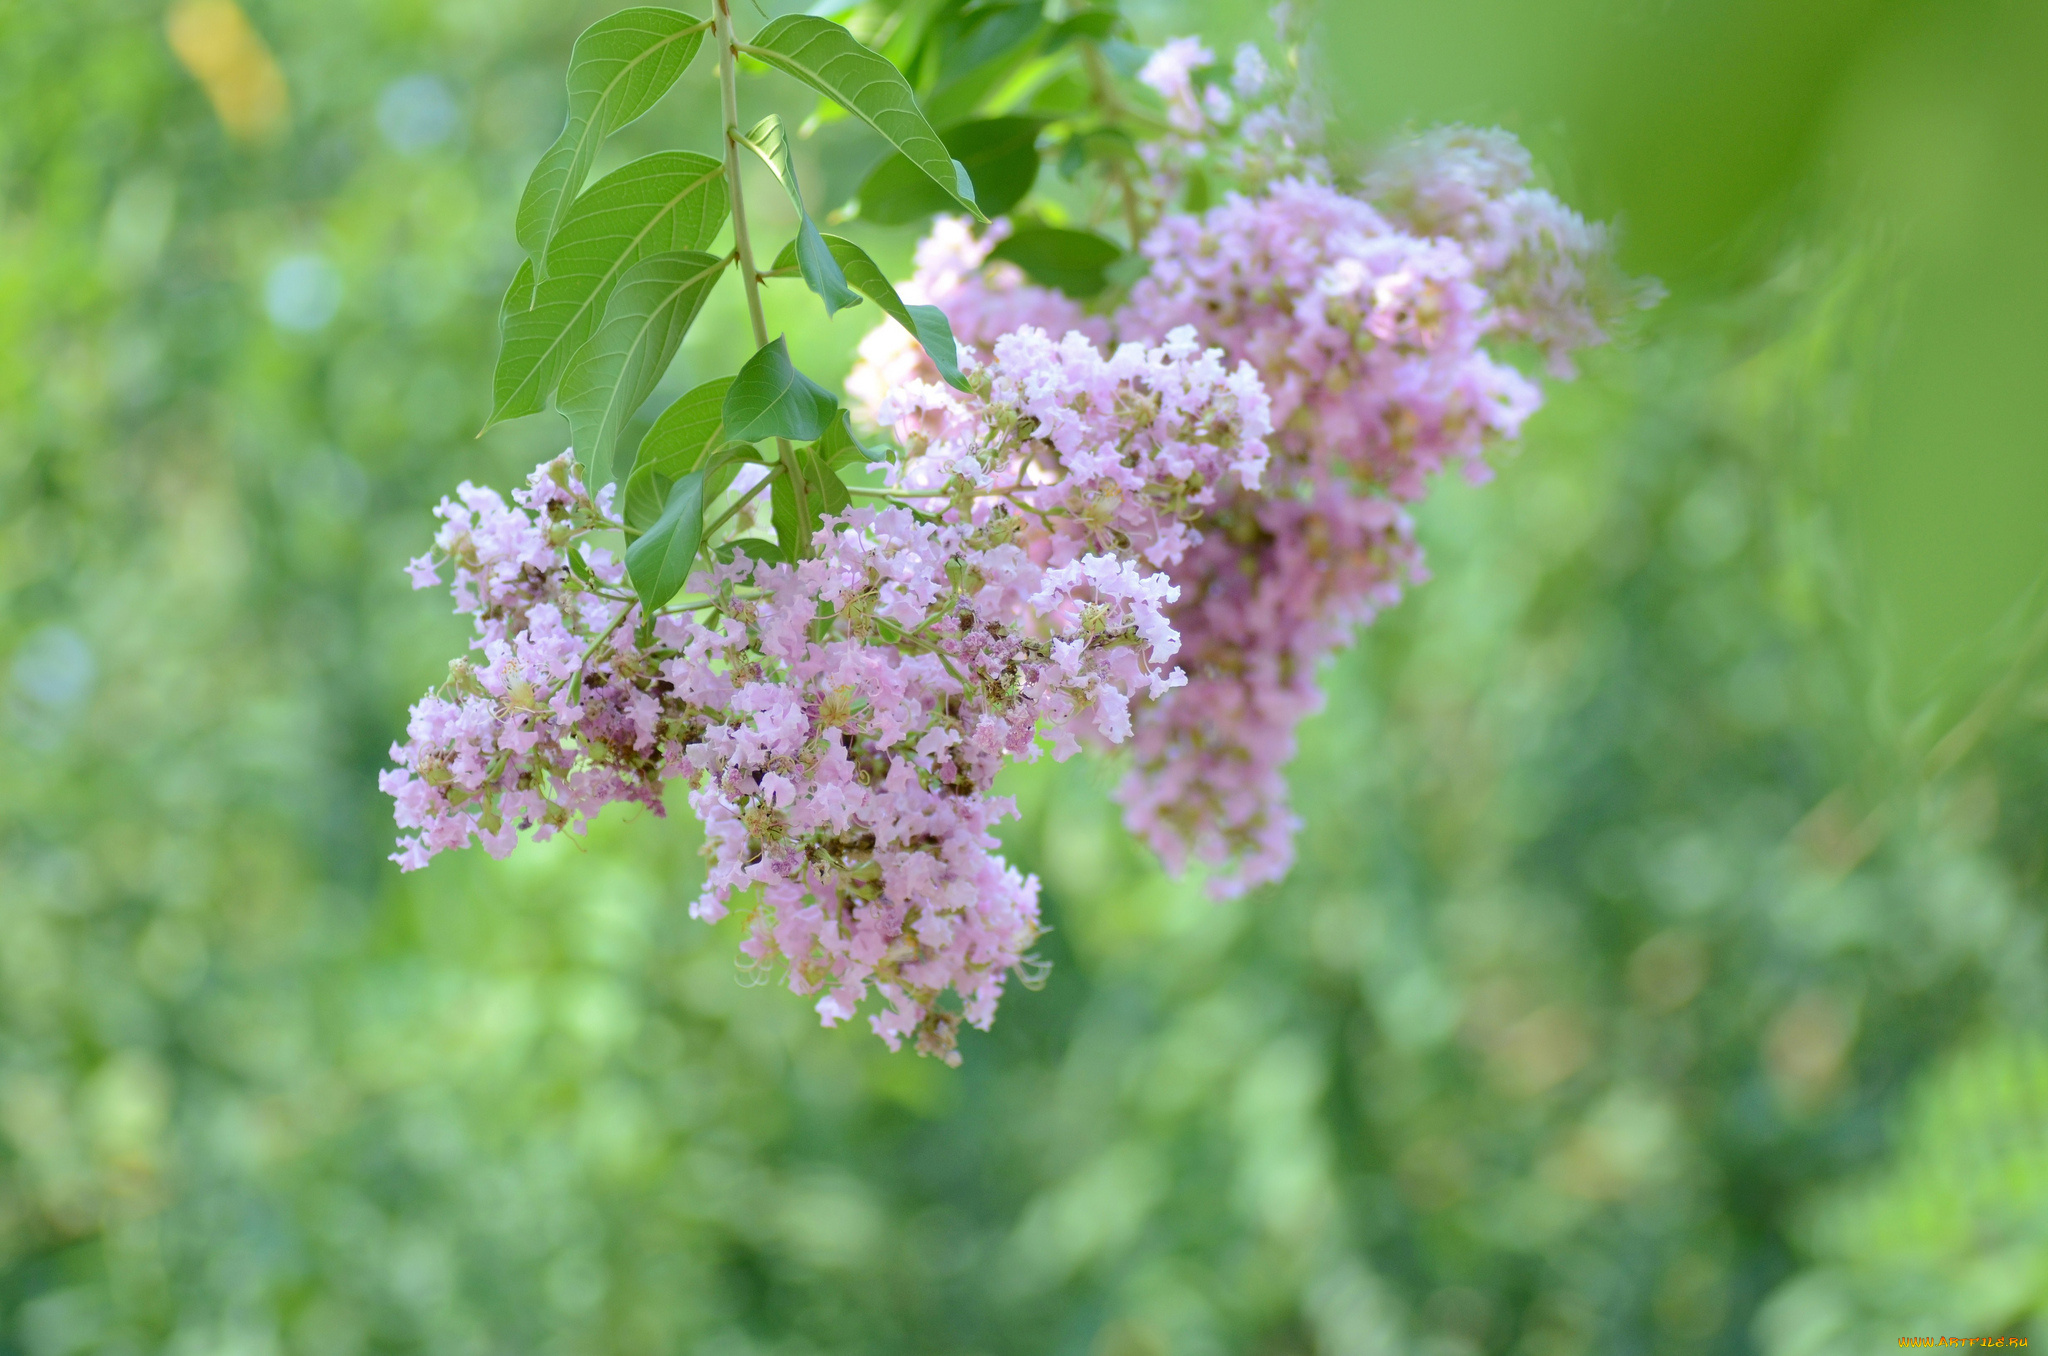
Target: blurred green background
1664,971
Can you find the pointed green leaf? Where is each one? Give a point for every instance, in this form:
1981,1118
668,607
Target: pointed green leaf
935,333
519,296
619,67
927,323
764,552
832,61
839,447
686,432
675,200
826,487
1089,25
659,560
645,496
800,499
647,487
644,323
690,436
1075,262
771,399
1000,153
788,519
987,33
820,270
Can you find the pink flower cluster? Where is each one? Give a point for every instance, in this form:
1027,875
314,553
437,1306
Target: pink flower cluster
841,719
538,734
1117,454
1547,270
1369,341
1145,528
859,705
1369,330
1260,125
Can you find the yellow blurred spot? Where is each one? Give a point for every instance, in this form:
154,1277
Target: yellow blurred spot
1806,1046
1668,971
215,42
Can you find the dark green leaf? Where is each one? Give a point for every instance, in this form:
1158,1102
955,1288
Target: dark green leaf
1072,261
647,488
935,333
613,374
687,432
927,323
659,560
1001,154
617,70
659,204
771,399
690,436
1093,26
820,270
1101,146
832,61
800,499
1196,198
646,494
840,448
986,34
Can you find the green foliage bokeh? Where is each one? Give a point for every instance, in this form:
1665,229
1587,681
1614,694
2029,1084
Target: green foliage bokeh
1664,970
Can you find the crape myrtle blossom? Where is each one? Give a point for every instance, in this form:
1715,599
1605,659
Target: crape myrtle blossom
1371,340
840,719
1369,325
1145,524
1368,341
1549,271
1258,124
1116,454
1170,72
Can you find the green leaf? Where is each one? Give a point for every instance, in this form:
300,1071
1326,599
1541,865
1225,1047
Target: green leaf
927,323
659,560
1106,146
1001,154
518,300
820,270
832,61
840,448
675,200
986,34
617,70
935,333
1075,262
687,432
800,499
1125,58
1092,26
646,494
647,487
771,399
614,373
765,552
